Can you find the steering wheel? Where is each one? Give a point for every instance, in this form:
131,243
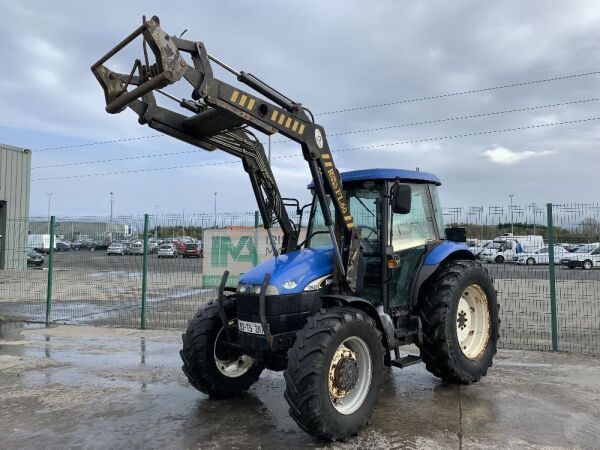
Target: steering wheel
366,238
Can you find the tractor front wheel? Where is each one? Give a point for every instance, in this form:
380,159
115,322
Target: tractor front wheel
210,365
334,373
459,312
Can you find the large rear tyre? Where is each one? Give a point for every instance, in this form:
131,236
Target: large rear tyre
459,312
210,366
334,373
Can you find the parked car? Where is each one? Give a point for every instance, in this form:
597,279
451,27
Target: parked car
541,256
586,257
83,244
34,259
192,251
136,248
504,248
167,251
116,249
62,247
153,246
101,245
476,246
180,246
570,247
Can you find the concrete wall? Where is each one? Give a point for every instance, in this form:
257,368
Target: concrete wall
15,178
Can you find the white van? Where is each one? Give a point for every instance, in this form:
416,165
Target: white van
504,248
586,257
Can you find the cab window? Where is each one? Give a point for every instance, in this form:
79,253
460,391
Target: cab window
417,227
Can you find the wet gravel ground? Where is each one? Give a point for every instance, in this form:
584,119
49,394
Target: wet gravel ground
87,387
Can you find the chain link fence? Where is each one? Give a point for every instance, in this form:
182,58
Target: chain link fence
99,273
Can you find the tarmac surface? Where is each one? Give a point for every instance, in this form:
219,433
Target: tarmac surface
93,387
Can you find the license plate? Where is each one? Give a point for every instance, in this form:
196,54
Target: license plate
250,327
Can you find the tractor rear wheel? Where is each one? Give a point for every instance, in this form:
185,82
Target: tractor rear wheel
210,365
459,312
334,373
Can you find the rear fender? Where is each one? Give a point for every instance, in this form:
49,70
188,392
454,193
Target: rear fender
437,256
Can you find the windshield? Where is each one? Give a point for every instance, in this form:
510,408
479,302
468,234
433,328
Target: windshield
363,198
586,248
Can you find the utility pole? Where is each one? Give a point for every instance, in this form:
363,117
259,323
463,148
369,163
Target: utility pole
512,223
183,225
156,222
111,205
533,206
215,210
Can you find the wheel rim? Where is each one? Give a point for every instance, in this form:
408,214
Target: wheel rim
230,367
349,377
587,265
473,321
530,261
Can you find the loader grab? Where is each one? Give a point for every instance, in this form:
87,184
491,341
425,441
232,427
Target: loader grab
376,270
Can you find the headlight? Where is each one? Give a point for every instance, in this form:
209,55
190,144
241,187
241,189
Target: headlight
254,289
291,284
318,283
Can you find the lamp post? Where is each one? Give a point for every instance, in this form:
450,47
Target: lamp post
49,194
215,205
512,223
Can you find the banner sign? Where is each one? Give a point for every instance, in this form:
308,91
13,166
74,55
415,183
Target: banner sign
236,250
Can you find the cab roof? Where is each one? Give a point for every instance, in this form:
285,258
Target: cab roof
388,174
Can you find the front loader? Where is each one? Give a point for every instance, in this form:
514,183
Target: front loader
376,270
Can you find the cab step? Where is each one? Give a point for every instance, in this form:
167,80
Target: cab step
406,361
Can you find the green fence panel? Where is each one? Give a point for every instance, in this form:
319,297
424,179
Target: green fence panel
134,284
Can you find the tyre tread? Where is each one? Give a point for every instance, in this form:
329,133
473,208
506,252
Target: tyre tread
440,356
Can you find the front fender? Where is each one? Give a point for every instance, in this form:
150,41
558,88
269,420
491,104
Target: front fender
387,328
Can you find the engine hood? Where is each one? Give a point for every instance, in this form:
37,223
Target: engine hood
300,266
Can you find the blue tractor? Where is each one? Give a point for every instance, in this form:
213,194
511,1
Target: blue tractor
372,271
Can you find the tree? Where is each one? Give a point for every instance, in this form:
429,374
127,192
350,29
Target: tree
590,227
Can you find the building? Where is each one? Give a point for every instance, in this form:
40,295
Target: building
15,179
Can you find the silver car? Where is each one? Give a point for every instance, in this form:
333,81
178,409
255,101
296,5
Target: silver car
115,249
167,251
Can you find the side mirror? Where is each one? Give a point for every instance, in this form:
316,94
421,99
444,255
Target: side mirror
456,234
401,198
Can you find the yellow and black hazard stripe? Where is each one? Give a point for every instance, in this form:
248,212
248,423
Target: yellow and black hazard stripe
327,162
245,101
288,122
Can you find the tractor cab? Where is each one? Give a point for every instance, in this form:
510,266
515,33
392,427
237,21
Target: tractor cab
398,216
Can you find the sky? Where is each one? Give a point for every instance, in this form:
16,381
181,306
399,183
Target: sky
329,56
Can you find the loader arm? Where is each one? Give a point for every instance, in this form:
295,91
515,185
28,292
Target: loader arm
221,115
